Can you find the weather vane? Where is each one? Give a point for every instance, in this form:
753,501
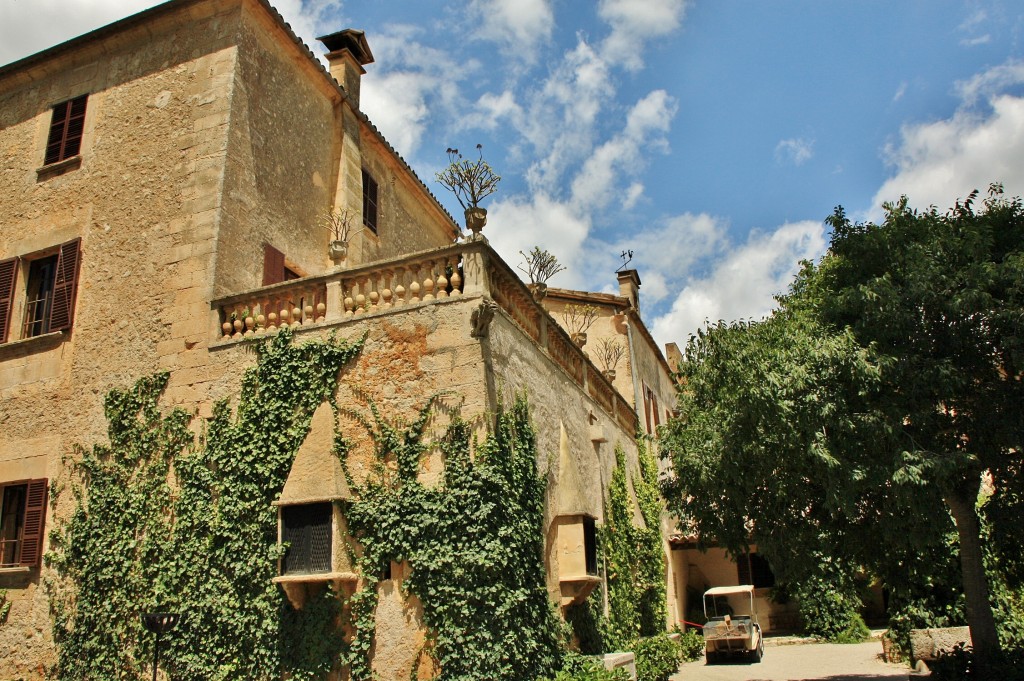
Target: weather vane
626,256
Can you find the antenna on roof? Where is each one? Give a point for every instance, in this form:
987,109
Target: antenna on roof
627,257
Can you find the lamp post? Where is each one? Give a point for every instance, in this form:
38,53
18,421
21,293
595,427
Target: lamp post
158,623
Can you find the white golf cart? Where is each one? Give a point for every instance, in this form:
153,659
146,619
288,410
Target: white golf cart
732,627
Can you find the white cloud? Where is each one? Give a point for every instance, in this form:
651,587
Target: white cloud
518,26
742,285
520,223
632,195
651,116
29,26
938,162
796,151
635,21
900,91
992,82
410,84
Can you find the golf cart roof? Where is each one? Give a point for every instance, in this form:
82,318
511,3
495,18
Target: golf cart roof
729,590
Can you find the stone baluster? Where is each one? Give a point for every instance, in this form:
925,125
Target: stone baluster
374,294
414,283
399,284
428,282
386,294
456,278
442,279
350,302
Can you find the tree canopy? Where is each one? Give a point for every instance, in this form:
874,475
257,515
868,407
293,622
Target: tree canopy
853,425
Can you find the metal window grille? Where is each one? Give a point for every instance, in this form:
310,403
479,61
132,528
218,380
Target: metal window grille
306,529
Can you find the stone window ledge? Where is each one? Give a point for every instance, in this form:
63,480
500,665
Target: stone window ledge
59,168
16,570
25,346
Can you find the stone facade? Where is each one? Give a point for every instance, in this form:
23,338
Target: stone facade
211,134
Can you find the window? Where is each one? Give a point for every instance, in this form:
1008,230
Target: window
306,529
752,568
275,270
369,201
66,128
651,410
48,297
590,544
22,512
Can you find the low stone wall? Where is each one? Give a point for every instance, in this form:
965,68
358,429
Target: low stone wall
625,661
928,644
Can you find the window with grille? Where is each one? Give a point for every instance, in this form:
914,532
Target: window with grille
66,128
306,530
22,513
370,198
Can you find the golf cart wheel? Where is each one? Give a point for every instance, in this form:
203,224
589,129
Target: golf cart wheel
759,651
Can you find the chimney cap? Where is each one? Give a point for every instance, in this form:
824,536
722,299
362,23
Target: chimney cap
351,39
628,275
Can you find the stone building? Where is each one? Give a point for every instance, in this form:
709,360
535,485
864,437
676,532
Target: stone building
161,200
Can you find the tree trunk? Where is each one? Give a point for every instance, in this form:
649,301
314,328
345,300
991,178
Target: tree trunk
985,640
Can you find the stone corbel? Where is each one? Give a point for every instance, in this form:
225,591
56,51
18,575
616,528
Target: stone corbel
481,318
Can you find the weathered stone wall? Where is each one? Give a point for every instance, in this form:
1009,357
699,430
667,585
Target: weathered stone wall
282,155
407,221
141,201
557,405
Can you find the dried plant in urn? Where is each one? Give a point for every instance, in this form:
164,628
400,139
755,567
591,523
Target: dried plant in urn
540,266
579,318
471,182
609,352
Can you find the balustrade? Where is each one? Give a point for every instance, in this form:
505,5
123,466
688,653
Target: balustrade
417,279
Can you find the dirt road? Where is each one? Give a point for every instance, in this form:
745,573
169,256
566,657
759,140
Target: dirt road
857,662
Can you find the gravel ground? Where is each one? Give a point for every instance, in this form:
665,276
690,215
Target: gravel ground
802,660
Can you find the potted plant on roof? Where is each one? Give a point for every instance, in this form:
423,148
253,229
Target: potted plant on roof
471,182
609,352
339,224
577,319
540,266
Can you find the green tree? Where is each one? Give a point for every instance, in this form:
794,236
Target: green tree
867,408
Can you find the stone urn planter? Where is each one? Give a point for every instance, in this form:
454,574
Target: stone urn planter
476,218
338,251
609,374
579,338
538,290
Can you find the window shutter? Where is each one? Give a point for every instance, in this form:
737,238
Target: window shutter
65,286
66,129
35,515
743,569
273,265
8,276
369,201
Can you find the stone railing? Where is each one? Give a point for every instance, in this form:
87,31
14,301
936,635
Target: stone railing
468,268
374,287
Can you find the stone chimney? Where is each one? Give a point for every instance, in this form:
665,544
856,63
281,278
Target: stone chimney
629,287
347,53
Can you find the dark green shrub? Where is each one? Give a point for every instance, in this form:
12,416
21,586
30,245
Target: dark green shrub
830,611
657,658
691,646
959,665
576,667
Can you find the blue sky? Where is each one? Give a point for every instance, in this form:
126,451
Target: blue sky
710,137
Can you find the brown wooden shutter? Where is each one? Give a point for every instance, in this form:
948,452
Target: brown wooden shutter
8,277
35,517
65,286
66,127
743,575
369,201
273,265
